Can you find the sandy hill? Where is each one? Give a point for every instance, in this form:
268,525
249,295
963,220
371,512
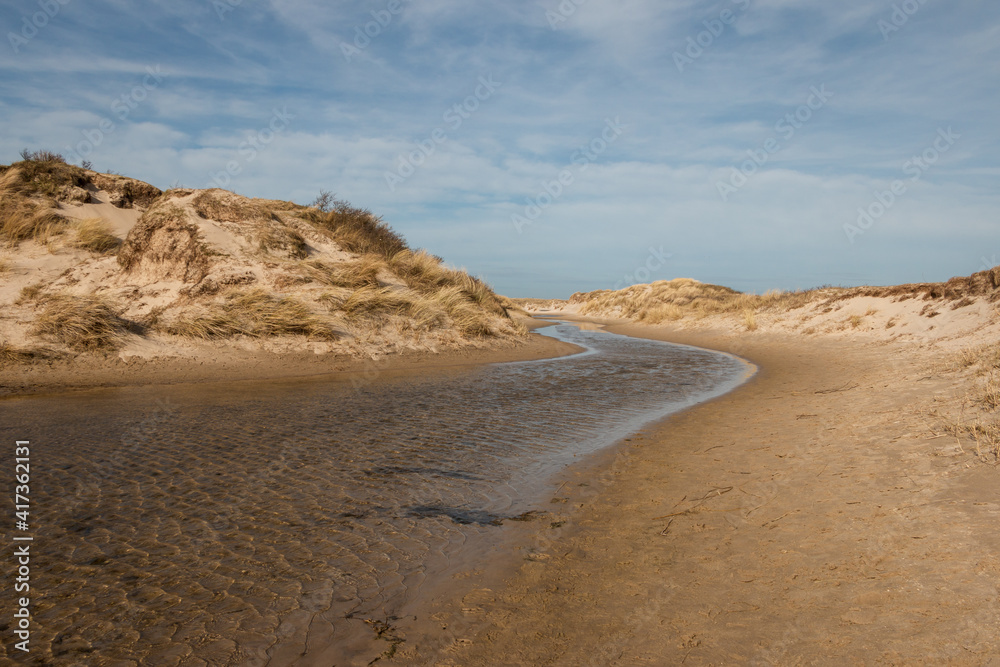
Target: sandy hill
100,263
958,310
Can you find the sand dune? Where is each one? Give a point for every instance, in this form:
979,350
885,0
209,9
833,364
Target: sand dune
100,266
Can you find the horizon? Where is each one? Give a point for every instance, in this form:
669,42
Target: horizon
552,147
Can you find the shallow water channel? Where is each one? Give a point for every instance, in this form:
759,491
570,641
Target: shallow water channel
228,523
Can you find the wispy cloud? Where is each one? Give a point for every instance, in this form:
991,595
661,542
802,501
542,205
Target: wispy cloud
225,74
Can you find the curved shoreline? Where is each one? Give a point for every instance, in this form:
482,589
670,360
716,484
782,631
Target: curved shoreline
747,529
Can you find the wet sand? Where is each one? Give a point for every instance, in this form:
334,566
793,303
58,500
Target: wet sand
809,517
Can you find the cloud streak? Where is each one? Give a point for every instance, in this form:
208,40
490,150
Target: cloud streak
688,129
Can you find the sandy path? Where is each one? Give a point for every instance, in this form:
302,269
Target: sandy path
810,517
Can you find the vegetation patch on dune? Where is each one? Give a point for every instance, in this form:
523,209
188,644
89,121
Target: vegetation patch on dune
22,220
31,191
45,174
958,289
283,240
81,322
168,242
355,229
256,314
681,298
20,355
671,300
979,419
95,235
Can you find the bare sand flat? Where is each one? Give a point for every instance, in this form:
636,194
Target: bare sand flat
816,515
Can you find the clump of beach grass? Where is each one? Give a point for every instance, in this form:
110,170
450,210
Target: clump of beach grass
10,354
81,322
30,293
256,314
360,273
357,230
23,220
283,239
373,304
96,235
983,398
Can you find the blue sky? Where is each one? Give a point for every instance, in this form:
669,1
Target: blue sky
566,145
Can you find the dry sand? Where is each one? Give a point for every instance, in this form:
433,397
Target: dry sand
815,515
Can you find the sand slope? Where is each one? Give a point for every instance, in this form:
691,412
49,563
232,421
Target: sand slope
199,274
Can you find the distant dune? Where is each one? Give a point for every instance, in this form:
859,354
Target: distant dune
100,264
957,310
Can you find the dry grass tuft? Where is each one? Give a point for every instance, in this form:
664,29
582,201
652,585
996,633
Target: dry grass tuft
984,399
425,273
374,304
81,322
28,192
856,321
20,355
30,293
750,319
361,273
95,235
285,240
257,314
22,220
667,312
43,174
357,229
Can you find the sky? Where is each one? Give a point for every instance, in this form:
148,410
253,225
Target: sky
552,146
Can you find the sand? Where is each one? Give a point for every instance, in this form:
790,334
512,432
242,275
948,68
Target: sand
227,363
816,515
